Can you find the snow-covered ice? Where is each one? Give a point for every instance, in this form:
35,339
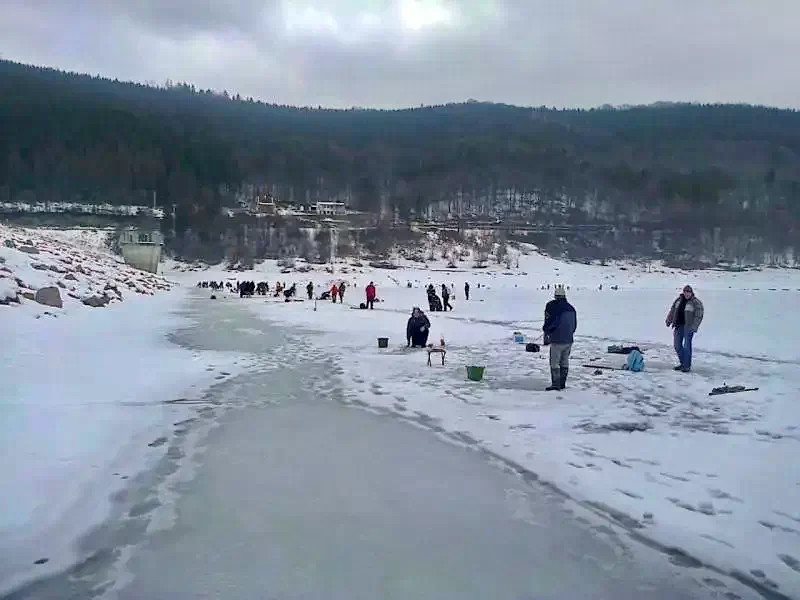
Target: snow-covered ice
714,477
83,392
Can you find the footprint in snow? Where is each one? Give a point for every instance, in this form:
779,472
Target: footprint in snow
629,494
722,495
790,561
675,477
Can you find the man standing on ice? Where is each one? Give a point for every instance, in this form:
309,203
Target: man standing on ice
446,298
685,317
371,295
560,323
466,291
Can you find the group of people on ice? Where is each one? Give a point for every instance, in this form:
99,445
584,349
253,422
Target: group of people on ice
436,304
561,321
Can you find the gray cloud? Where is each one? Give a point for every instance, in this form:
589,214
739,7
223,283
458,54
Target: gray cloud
391,53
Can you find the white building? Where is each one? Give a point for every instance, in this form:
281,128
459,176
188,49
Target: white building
331,208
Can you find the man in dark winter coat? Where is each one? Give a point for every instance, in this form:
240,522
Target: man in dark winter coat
310,290
446,298
434,303
417,329
560,323
685,317
466,291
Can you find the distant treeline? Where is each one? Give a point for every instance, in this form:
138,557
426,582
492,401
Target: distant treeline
75,138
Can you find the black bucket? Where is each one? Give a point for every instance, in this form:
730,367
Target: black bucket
532,348
383,342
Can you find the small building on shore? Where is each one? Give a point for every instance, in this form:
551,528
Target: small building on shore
330,209
141,248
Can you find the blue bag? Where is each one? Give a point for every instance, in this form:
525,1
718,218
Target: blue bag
635,361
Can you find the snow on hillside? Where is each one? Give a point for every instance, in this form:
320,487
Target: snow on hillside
714,477
83,237
84,391
54,271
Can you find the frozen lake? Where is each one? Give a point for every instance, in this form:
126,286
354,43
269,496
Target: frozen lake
282,487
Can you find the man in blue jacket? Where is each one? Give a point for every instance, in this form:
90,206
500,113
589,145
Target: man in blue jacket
560,323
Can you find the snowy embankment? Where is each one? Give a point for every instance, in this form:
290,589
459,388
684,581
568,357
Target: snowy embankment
84,388
43,268
714,477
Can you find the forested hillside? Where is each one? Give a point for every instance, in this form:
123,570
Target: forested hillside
74,137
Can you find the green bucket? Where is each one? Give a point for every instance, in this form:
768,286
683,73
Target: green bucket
475,373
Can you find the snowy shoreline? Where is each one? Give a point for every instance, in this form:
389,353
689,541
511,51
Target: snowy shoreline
84,390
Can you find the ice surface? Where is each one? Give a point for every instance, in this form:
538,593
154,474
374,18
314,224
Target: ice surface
82,393
713,476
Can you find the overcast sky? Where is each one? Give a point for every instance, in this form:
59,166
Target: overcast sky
396,53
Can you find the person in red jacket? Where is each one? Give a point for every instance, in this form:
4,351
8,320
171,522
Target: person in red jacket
334,292
371,295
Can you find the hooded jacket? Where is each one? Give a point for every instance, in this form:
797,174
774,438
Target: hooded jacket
417,326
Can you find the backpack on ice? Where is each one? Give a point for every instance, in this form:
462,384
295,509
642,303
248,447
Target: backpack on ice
635,361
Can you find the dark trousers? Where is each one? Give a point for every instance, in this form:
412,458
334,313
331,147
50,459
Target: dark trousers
370,303
419,339
447,305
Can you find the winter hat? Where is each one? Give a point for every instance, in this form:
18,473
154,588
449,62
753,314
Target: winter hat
560,291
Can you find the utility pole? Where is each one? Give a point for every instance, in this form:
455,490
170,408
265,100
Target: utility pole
334,240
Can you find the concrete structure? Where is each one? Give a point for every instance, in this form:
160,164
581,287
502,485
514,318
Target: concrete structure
331,208
141,249
265,205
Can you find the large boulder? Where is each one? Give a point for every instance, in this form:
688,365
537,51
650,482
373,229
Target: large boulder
49,296
29,249
71,277
96,300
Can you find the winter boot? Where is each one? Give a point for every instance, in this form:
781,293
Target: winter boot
563,380
555,375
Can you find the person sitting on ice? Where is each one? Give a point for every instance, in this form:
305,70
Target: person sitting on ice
434,304
685,317
417,329
560,323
